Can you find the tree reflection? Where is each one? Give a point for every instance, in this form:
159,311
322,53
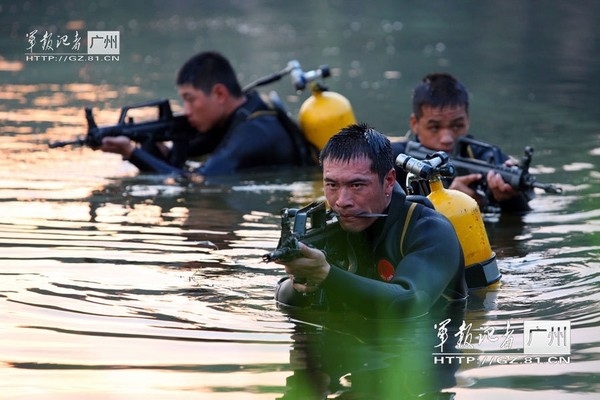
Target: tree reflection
348,357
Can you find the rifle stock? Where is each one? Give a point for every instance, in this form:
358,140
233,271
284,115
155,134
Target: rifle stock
166,127
517,176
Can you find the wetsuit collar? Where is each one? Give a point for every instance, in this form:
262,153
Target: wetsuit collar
378,230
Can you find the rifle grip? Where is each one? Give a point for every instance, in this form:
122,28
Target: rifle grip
90,119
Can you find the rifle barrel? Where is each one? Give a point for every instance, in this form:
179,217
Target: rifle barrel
548,187
61,143
518,177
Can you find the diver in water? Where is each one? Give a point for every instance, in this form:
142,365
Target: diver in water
393,262
439,117
237,131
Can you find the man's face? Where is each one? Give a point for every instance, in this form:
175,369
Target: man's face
351,189
438,128
203,111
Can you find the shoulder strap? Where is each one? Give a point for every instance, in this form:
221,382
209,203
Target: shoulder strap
244,114
409,214
306,152
261,112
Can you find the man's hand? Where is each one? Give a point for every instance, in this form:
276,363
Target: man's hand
500,189
309,270
463,183
119,145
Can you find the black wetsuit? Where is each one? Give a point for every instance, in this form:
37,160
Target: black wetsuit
393,269
517,204
253,137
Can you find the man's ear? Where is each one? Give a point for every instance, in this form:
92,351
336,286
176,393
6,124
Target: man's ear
413,124
220,91
390,179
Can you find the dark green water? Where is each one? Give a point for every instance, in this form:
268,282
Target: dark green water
114,285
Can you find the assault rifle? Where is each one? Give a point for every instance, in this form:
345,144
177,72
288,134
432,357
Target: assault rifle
517,176
166,127
312,225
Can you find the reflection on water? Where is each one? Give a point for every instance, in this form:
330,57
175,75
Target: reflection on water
120,285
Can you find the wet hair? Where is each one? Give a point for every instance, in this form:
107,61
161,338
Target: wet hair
357,141
439,90
204,70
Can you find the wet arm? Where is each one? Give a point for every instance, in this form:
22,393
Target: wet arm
432,261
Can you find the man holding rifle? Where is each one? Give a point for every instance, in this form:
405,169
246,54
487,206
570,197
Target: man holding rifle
440,116
237,131
397,258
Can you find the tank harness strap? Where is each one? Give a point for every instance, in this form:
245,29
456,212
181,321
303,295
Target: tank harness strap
256,114
242,114
409,214
307,156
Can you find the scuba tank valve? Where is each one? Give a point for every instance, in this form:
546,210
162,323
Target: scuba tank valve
481,269
324,113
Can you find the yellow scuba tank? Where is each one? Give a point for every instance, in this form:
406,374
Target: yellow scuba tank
481,268
323,114
463,212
